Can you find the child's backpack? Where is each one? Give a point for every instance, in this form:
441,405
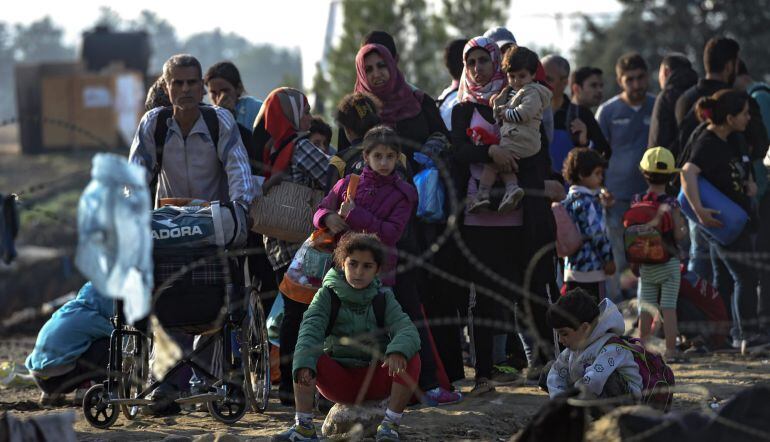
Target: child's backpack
378,305
568,237
657,377
646,244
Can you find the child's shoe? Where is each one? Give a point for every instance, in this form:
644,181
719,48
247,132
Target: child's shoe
296,433
439,396
511,199
478,204
387,432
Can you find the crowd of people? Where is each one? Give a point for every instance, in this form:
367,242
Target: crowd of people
511,142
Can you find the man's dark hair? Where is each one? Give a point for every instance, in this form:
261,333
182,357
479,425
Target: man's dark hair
742,68
319,126
518,58
225,70
354,242
572,309
453,57
581,162
676,61
629,62
381,38
718,52
582,74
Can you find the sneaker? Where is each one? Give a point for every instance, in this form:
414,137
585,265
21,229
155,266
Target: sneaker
163,405
387,432
504,374
483,386
439,396
478,205
511,200
753,341
296,433
51,400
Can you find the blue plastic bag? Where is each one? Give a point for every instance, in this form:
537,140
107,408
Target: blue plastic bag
430,191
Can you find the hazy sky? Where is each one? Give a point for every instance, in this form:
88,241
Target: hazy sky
298,23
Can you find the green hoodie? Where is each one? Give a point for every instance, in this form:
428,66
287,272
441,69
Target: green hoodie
356,321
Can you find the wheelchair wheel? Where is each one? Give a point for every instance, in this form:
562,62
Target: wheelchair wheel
255,352
136,367
230,409
97,409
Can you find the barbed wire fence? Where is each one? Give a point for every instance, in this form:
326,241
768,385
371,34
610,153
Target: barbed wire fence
519,290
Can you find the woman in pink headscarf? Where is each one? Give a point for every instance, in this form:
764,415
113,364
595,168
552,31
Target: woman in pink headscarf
500,244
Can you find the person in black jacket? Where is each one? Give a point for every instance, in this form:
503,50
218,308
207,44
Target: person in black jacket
675,76
720,60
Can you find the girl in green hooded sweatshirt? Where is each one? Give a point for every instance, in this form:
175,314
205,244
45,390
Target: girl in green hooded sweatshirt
346,355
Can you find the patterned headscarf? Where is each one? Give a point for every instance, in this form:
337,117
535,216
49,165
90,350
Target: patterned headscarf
279,117
399,100
481,93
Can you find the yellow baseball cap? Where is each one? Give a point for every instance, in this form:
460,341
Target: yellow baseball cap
658,160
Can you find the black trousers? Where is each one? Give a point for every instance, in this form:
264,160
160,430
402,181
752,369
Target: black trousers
496,268
90,366
446,305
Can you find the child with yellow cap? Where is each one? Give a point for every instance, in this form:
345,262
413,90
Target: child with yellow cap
661,279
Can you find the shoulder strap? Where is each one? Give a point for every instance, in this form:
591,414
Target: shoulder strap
336,303
378,304
161,129
212,124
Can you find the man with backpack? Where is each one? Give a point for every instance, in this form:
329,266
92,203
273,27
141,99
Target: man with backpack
192,150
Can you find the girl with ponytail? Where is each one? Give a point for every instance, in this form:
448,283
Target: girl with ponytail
725,164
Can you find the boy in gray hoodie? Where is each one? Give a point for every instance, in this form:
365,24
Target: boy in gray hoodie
588,363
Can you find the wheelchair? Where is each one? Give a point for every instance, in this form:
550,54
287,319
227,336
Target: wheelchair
198,292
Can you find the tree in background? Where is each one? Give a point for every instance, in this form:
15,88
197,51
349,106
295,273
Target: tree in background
473,18
41,40
420,30
656,27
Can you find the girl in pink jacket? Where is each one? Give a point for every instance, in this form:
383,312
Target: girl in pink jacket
382,204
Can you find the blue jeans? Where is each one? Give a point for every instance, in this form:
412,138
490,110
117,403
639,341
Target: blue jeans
613,219
700,255
733,273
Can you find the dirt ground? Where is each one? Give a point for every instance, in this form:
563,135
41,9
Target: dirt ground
494,417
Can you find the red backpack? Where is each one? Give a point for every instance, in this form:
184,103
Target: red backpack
657,377
646,244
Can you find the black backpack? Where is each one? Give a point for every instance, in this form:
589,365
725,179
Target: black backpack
378,304
161,129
